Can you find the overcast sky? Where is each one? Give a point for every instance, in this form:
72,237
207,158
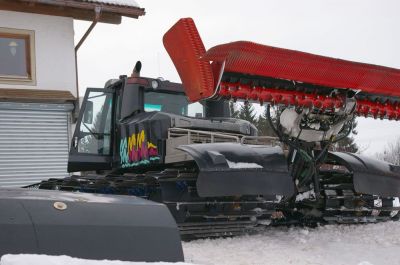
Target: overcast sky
359,30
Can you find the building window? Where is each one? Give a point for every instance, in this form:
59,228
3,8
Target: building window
17,56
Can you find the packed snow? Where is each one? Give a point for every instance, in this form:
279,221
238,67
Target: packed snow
371,244
243,165
305,196
65,260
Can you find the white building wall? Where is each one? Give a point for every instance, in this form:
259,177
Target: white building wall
54,49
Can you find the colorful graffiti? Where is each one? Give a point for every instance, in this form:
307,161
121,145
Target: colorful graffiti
135,150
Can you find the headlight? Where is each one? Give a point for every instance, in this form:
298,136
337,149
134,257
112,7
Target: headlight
154,84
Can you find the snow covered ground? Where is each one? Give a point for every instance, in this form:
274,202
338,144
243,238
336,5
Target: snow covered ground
65,260
377,244
373,244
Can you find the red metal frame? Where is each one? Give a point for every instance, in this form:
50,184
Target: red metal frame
365,108
185,47
261,60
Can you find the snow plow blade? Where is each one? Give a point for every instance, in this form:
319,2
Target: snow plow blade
87,226
371,176
233,169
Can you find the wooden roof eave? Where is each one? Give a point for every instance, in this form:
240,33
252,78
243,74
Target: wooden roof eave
70,8
35,95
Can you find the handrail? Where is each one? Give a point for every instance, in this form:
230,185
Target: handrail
244,138
236,138
211,134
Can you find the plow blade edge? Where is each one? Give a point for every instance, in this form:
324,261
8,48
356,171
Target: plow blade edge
233,169
371,176
87,226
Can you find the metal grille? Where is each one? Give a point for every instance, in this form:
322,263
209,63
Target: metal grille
34,142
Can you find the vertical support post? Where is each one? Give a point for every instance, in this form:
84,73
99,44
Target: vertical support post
96,19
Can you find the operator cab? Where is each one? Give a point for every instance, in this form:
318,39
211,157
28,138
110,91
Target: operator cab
94,145
132,106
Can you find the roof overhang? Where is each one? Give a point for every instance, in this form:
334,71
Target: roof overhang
72,8
35,95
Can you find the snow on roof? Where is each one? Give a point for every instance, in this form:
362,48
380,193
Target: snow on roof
128,3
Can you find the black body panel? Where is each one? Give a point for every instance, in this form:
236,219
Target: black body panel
90,226
217,108
141,139
230,169
371,176
84,162
142,136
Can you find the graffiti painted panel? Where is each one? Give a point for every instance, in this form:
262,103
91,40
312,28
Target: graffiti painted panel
137,149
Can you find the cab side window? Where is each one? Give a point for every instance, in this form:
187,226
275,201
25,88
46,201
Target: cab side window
96,124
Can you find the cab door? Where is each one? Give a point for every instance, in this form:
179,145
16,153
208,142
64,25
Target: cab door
91,145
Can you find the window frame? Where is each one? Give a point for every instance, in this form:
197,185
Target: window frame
81,134
29,37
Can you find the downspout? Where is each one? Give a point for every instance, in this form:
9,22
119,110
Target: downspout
96,19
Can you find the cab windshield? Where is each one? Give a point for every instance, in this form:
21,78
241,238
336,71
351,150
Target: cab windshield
171,103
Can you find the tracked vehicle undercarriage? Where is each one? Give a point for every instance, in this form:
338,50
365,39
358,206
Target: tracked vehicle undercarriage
337,200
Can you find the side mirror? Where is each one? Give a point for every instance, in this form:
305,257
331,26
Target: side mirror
88,114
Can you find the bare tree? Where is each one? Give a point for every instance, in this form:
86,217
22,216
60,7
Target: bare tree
391,153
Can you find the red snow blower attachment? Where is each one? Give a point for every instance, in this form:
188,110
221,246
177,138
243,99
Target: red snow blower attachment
251,71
